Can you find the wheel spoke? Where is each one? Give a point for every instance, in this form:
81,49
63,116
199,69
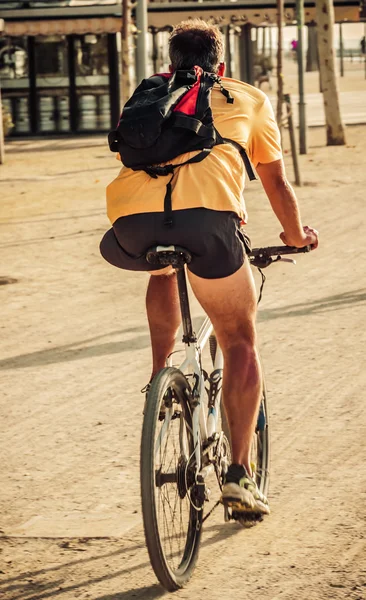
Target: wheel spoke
174,511
170,522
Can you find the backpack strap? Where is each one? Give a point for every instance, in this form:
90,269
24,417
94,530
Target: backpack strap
245,158
192,124
216,79
242,152
158,171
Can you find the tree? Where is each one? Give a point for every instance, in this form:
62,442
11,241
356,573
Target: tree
325,24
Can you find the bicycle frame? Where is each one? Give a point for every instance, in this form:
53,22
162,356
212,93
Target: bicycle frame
204,427
182,442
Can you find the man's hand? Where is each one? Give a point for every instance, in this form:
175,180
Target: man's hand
284,204
310,238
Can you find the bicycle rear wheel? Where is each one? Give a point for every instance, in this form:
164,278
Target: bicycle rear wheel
171,499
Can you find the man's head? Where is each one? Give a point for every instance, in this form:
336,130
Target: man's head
195,42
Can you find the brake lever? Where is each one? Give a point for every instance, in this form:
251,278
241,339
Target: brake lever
281,258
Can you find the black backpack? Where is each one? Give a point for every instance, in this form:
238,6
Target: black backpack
169,115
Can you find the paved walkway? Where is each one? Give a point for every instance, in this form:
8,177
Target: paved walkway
75,353
353,107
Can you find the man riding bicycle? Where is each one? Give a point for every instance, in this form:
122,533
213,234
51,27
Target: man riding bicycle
208,205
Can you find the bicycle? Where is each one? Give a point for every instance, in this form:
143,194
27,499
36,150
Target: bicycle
178,419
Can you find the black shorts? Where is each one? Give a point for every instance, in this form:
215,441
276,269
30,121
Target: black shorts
214,239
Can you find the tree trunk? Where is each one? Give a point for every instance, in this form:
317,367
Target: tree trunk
279,63
325,24
312,56
127,51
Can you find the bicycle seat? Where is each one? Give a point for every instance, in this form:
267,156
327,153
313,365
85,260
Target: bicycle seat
176,256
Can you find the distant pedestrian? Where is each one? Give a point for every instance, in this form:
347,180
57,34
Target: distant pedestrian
294,49
363,45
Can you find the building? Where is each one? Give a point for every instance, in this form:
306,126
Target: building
60,59
59,65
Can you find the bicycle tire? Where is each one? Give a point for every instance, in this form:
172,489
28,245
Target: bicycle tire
262,436
261,441
171,576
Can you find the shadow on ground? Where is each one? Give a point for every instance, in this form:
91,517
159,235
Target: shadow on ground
57,175
61,236
148,592
70,352
79,350
56,144
26,586
329,303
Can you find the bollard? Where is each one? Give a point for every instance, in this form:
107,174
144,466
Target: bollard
291,130
300,63
341,50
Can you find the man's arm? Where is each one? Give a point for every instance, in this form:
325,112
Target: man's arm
284,204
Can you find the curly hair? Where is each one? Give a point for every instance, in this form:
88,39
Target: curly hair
195,42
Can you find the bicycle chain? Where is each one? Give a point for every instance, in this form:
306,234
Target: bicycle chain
211,511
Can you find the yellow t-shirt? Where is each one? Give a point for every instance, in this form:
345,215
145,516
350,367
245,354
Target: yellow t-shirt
217,182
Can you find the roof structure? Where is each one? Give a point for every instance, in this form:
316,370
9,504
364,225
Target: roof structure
256,12
45,17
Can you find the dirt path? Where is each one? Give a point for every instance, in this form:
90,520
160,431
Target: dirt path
75,353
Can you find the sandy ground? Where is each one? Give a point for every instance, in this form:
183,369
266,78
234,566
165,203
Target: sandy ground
75,353
352,96
354,76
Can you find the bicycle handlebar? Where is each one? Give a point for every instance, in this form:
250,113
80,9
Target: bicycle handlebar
262,257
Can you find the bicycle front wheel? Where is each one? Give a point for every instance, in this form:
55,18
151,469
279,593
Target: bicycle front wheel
171,497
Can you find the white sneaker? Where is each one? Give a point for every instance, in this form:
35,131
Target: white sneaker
240,492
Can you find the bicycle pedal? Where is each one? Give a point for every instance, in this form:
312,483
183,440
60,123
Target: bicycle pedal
246,519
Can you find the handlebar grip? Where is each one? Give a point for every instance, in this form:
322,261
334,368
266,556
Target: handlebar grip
279,250
295,250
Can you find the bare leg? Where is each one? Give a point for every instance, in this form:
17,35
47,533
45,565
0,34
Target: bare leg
163,313
231,305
